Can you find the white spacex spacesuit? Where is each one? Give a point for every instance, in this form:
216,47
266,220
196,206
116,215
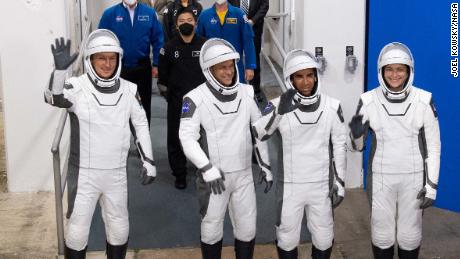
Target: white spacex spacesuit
100,111
313,161
404,159
215,133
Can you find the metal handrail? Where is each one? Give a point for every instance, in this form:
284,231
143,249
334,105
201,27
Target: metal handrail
280,50
60,180
276,15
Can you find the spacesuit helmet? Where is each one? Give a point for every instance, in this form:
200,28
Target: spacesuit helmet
396,53
296,60
215,51
102,40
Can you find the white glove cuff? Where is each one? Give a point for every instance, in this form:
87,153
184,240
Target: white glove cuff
211,175
151,169
268,175
58,81
430,192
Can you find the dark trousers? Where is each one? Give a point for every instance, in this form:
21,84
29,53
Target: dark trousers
142,77
258,29
176,156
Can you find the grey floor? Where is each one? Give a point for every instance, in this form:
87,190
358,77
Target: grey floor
164,217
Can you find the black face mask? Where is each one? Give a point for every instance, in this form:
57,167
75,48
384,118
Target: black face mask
186,29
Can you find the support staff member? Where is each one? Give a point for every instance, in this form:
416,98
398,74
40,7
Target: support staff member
227,22
137,28
179,72
255,11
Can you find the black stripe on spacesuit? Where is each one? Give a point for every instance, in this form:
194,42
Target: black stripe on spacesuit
340,114
74,163
396,114
225,113
331,165
279,191
270,122
50,84
72,187
424,153
254,131
262,163
256,149
204,193
308,123
369,168
101,104
360,105
203,141
433,108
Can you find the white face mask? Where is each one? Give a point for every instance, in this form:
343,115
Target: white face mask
220,1
130,2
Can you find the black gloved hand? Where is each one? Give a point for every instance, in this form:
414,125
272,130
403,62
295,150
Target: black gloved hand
336,198
268,182
426,202
287,103
61,54
357,128
217,186
145,178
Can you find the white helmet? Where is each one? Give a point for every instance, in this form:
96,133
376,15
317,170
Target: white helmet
102,40
296,60
215,51
396,53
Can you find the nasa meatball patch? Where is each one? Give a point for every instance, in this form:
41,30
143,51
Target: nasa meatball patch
188,108
268,108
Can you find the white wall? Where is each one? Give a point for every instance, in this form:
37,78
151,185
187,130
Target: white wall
28,27
96,8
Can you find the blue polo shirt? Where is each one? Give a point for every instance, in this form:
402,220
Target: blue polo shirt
235,30
137,37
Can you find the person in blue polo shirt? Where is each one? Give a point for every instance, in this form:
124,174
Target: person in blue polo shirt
137,28
227,22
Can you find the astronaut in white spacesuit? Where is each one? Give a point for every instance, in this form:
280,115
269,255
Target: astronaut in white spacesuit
403,167
215,133
101,106
313,164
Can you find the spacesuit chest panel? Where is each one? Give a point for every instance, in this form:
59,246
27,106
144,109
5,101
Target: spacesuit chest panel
227,129
104,126
305,144
396,126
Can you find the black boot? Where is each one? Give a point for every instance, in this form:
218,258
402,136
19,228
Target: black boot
283,254
320,254
74,254
116,252
408,254
244,250
380,253
211,251
181,182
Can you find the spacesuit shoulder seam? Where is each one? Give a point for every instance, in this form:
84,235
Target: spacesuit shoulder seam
195,95
249,90
367,97
425,96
